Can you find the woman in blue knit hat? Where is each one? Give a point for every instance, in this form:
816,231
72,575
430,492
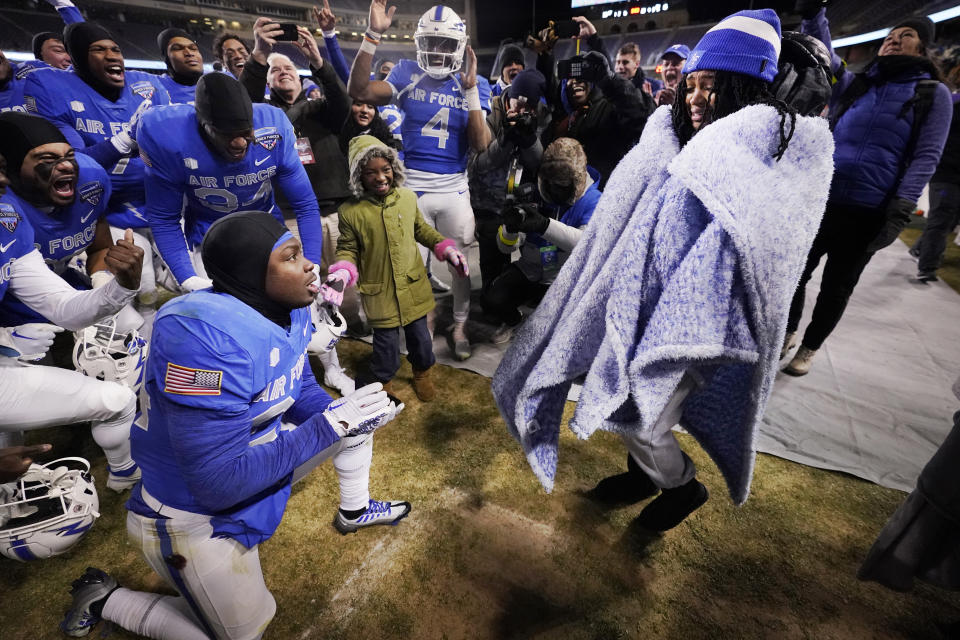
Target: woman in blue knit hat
890,124
673,306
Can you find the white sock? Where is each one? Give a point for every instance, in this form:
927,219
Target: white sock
330,361
461,296
353,471
113,435
153,615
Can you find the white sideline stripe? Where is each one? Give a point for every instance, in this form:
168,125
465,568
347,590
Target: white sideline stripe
753,27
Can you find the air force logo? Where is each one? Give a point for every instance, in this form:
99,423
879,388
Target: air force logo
267,137
91,192
9,217
274,356
143,89
77,106
190,163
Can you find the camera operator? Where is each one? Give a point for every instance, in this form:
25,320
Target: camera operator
591,104
571,191
517,118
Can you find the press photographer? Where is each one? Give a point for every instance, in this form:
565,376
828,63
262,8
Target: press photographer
517,118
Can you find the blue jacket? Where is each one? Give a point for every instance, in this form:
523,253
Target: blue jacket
871,137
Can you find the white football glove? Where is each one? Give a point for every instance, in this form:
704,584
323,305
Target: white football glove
363,411
28,341
126,141
195,283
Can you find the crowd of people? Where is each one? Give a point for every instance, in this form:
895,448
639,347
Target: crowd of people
273,213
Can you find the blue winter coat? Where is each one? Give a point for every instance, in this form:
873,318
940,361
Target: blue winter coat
871,137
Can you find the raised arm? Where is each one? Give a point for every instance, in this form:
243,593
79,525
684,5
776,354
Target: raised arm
359,85
478,133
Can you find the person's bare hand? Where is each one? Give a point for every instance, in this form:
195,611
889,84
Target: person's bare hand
14,461
308,46
665,96
468,77
380,16
265,33
586,27
324,17
125,261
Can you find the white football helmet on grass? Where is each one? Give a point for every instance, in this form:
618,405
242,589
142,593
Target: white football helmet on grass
48,510
441,39
104,353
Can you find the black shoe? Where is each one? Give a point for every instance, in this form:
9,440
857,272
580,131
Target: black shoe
624,488
927,276
673,506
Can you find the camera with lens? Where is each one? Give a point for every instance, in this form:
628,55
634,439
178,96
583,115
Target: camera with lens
580,68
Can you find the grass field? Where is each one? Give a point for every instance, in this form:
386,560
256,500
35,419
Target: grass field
487,554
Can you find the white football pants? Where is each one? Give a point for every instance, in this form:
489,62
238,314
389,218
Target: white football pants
451,215
35,397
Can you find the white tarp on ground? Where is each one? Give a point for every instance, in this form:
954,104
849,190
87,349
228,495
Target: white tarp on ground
877,402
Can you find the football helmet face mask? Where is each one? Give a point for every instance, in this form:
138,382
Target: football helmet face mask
328,327
104,353
441,39
48,510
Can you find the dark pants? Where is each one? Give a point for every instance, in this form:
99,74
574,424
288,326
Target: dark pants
509,291
942,218
386,351
492,260
843,237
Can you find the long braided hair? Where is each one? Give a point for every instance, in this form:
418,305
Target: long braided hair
733,91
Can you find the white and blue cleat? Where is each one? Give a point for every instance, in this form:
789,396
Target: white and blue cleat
386,512
89,592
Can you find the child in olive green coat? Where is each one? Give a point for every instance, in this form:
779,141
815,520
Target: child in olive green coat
377,251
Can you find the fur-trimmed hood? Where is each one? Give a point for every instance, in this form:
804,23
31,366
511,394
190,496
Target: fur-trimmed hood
362,149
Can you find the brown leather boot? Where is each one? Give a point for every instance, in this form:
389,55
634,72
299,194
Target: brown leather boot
388,387
423,386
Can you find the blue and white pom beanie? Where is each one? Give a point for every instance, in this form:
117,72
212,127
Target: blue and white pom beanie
746,42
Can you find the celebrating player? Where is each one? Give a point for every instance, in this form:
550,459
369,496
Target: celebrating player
223,156
64,197
235,416
37,397
97,107
443,118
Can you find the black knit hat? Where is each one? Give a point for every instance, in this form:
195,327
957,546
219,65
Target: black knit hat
40,38
19,133
78,37
922,25
511,55
223,103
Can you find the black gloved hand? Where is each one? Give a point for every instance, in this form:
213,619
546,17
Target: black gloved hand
808,9
526,218
521,131
898,214
596,67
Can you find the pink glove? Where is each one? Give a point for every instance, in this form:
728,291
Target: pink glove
458,261
332,290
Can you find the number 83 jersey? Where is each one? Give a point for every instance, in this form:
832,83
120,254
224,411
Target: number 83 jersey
435,115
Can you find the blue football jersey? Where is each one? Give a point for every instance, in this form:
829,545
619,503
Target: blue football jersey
393,117
180,165
60,234
210,351
16,241
179,93
434,127
86,118
11,96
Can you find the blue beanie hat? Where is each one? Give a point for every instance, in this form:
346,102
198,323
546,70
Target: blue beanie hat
746,42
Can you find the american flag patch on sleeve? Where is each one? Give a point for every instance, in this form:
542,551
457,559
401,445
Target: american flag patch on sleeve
185,381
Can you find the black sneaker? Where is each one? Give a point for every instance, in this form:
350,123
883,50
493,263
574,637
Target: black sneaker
673,506
624,488
927,276
90,591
